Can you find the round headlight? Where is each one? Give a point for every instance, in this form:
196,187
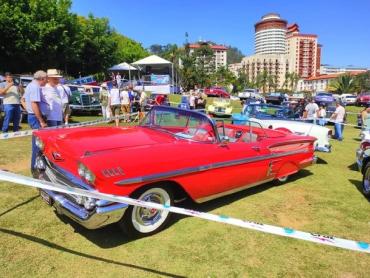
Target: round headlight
81,170
89,176
39,143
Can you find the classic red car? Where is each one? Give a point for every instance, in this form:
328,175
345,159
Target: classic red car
363,99
173,154
216,92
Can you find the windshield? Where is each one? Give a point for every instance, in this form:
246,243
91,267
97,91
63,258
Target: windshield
270,111
180,123
324,95
275,94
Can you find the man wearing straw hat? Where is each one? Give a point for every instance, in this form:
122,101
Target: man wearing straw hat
52,96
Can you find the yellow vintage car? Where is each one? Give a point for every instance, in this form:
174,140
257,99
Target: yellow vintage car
221,107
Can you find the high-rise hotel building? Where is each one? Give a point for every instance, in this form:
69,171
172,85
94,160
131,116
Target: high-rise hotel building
281,49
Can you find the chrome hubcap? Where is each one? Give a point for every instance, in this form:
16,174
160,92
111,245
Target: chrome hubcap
149,216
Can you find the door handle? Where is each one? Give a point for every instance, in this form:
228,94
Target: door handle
256,148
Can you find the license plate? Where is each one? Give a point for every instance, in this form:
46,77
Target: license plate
47,199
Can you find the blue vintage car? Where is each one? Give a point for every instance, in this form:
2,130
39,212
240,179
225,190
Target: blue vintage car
264,112
324,98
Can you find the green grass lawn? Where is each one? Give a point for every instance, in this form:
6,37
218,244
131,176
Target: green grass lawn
324,198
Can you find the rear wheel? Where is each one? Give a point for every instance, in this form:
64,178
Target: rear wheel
281,180
140,221
366,180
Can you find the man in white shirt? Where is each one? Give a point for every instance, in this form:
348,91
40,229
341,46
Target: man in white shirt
311,110
115,102
65,94
338,117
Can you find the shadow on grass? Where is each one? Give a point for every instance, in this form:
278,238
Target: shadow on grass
19,205
80,254
321,161
358,185
353,167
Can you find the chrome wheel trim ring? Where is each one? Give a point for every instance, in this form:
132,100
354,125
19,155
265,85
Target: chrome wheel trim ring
146,220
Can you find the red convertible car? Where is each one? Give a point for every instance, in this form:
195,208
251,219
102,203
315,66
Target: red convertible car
173,154
216,92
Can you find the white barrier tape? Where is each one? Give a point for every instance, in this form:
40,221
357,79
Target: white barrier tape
281,231
87,123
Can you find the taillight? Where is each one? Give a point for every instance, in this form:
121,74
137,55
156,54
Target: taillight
365,145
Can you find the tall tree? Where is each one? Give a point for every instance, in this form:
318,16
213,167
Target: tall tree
234,55
262,80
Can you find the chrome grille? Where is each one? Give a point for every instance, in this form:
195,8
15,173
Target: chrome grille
85,100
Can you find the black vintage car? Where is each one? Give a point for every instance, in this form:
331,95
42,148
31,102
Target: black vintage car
275,98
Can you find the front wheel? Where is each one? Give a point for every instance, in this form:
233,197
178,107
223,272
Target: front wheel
366,180
140,221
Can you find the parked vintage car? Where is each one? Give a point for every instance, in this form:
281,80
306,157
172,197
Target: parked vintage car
220,108
324,98
297,97
283,118
250,93
85,98
151,101
363,161
363,99
173,154
216,92
275,98
348,99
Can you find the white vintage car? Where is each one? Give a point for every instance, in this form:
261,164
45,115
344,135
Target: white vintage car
363,161
321,133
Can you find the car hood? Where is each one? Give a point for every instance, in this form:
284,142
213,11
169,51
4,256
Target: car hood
81,141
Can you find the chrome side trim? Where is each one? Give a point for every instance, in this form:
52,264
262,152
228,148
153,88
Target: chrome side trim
201,168
217,195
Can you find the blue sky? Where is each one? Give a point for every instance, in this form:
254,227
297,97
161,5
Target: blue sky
343,27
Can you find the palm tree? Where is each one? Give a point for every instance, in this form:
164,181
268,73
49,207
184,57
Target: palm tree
262,80
294,78
343,84
286,81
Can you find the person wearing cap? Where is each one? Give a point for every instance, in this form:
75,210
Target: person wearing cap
52,97
11,102
37,108
65,94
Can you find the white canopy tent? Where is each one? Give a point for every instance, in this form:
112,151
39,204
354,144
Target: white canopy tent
154,60
123,67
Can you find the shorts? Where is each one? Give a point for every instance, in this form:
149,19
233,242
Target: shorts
66,109
115,109
125,108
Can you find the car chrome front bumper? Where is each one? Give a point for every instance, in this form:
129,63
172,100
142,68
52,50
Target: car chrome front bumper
104,213
85,108
99,217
